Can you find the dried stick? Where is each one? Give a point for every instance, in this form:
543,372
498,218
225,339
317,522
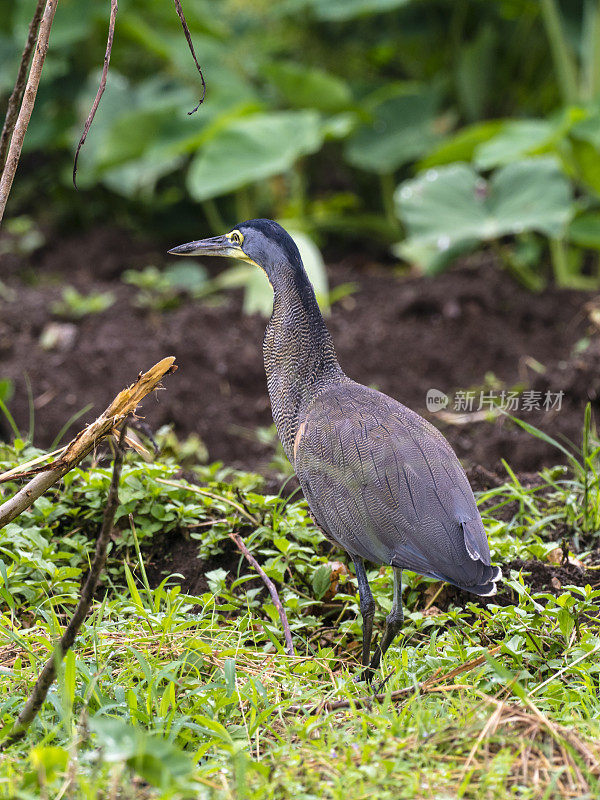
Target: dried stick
111,35
16,97
289,646
431,684
188,38
48,673
124,404
16,142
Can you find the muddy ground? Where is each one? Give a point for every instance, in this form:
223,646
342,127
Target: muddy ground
469,328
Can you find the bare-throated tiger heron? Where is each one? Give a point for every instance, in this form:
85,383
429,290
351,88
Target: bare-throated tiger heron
381,482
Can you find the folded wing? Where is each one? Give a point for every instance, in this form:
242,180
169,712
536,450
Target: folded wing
387,486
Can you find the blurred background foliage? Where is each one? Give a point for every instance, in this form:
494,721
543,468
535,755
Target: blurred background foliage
430,126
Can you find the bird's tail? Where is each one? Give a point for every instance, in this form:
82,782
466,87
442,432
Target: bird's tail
487,587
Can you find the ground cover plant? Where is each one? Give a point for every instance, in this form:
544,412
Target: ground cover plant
168,693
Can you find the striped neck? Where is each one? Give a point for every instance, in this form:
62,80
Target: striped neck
298,353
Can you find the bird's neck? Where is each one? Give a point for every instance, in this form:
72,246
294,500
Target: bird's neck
299,355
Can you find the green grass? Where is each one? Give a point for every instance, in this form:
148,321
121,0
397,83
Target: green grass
171,695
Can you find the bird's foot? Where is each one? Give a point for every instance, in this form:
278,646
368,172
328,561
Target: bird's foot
366,676
381,686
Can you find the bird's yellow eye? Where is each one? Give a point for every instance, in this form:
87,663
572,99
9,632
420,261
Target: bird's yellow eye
236,237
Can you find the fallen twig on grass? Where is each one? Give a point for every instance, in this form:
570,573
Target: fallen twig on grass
289,646
124,404
237,539
29,95
569,752
16,97
48,673
399,694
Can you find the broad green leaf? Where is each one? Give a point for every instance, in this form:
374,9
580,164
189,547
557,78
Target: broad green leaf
309,87
588,129
566,623
403,127
586,159
49,761
446,206
516,140
431,258
341,10
251,149
584,230
461,145
321,580
156,760
186,276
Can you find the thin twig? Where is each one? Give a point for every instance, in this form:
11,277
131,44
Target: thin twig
48,673
242,547
16,97
289,645
124,404
111,35
431,684
188,38
20,128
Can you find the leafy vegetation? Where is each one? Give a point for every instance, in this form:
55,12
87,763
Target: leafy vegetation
319,136
191,695
429,128
75,305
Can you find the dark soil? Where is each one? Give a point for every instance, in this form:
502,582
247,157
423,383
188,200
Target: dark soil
402,335
539,576
467,328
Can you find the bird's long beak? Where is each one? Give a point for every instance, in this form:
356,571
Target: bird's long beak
215,246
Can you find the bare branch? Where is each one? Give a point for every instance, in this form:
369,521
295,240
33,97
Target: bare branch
124,404
188,39
16,97
289,645
48,673
20,128
111,35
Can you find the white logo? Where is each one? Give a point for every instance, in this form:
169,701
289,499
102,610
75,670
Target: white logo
436,400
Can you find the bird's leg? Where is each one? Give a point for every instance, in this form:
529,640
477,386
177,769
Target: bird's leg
393,623
367,608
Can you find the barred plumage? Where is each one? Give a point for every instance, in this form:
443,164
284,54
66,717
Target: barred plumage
380,481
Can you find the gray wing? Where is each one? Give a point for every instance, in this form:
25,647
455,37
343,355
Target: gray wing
387,486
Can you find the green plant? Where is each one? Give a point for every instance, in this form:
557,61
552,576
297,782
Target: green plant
402,77
24,237
76,306
172,689
162,291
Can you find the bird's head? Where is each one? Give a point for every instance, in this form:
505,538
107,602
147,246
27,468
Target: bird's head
261,242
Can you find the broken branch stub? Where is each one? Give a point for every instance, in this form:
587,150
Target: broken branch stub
124,404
